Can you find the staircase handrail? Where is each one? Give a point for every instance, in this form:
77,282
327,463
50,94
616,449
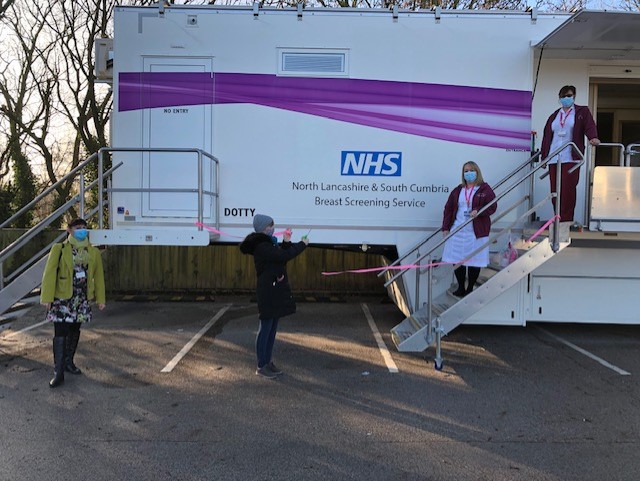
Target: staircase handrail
201,153
615,145
496,186
628,152
495,237
46,192
36,229
36,257
46,249
542,164
26,237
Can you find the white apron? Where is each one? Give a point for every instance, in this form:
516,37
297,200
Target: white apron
464,242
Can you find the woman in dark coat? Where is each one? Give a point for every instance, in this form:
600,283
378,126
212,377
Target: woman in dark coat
273,291
465,202
570,122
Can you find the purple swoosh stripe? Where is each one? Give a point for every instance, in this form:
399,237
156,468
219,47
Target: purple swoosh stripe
472,115
429,122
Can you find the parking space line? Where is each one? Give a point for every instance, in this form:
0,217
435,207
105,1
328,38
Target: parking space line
386,355
622,372
183,352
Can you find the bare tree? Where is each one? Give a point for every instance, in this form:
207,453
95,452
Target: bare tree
53,113
25,108
630,5
4,6
82,101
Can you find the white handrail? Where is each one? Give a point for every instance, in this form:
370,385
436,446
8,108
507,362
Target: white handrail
200,153
542,165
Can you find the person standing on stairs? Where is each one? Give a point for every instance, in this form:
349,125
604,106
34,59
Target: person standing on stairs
464,203
72,277
570,122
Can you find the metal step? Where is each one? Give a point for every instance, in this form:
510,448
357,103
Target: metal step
503,280
413,334
22,285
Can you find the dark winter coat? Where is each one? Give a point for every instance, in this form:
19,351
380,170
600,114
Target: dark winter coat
482,222
584,125
273,290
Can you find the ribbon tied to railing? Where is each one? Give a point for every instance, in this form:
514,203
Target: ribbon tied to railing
381,268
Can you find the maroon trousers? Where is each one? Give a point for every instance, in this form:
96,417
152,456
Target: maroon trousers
567,189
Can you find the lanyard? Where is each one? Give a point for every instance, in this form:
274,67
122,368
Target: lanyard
563,119
469,196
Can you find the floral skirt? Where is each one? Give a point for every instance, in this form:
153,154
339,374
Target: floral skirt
75,309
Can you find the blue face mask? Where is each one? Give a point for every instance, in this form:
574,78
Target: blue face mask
566,102
470,176
80,234
270,231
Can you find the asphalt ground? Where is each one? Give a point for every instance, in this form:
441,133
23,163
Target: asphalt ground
544,402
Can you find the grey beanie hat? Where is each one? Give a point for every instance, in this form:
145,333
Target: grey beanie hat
261,222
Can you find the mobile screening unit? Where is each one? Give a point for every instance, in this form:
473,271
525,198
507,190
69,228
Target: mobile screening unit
355,124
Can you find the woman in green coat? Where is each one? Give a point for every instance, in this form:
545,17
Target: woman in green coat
72,277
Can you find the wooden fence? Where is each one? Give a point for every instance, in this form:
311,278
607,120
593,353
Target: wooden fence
214,269
223,268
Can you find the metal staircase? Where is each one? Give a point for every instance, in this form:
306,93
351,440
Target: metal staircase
28,276
449,311
435,311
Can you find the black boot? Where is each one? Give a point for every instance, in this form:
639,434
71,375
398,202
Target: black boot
72,344
58,359
460,273
474,273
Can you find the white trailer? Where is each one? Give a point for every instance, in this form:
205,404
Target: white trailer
355,124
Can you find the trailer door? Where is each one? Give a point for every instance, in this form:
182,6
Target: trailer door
187,126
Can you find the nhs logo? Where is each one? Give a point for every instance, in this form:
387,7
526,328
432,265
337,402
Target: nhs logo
371,163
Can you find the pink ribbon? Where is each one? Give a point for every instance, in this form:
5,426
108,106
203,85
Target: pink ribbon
216,231
375,269
547,224
390,268
423,266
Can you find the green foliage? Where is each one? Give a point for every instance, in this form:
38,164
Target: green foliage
6,195
25,188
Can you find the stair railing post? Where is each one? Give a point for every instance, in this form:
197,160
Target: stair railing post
1,274
200,201
110,201
81,188
555,242
438,358
416,301
217,197
429,296
532,183
100,191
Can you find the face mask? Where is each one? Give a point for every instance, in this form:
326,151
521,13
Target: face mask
566,102
270,231
470,176
80,234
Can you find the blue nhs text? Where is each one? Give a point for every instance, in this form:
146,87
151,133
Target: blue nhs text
388,164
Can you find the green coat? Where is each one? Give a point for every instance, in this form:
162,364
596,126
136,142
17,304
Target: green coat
57,280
